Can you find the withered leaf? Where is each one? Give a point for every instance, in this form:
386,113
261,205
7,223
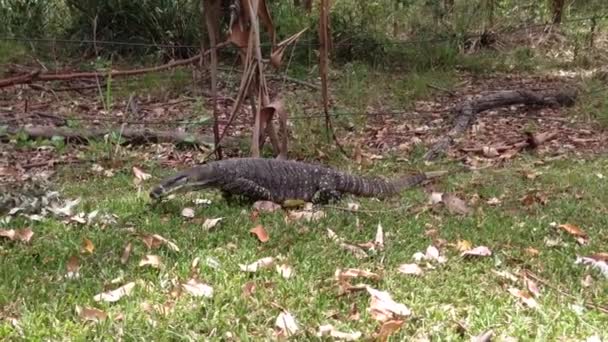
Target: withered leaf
140,175
154,241
351,273
259,264
329,330
23,235
211,223
411,269
286,323
115,295
260,232
73,267
151,260
126,253
188,212
198,289
383,307
581,237
455,204
285,271
524,296
88,246
266,206
477,251
91,314
388,328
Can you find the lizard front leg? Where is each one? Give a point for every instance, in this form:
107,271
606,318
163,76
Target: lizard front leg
327,192
247,188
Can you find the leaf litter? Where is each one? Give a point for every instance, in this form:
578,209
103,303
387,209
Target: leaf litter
115,295
326,330
286,324
197,288
257,265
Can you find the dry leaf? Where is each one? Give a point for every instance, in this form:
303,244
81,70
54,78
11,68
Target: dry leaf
388,328
126,253
140,175
485,337
587,281
306,215
23,235
383,307
266,206
478,251
379,240
329,330
154,241
259,264
73,267
432,253
198,289
188,212
88,246
351,273
464,245
596,261
412,269
285,271
532,287
260,232
579,234
493,201
532,251
66,210
524,296
211,223
352,206
506,274
286,324
249,288
115,295
436,198
151,260
455,204
91,314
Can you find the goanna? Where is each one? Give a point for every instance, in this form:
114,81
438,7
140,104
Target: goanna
281,180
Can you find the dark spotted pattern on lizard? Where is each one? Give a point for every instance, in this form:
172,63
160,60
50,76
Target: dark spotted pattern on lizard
280,180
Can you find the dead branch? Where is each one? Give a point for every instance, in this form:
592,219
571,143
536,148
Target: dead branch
131,135
466,113
36,75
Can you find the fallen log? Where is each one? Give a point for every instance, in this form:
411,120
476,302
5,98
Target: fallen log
466,114
129,135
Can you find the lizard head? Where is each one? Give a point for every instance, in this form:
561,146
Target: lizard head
192,179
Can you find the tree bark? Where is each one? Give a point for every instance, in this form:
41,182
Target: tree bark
557,9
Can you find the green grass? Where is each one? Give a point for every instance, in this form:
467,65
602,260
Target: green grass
34,290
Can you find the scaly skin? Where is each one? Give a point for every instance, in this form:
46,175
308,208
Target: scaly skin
280,180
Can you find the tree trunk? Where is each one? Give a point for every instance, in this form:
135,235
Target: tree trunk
557,9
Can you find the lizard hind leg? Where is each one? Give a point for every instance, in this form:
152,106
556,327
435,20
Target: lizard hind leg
247,188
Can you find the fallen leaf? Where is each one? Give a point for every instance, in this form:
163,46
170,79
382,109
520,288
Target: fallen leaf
436,198
286,324
357,251
198,289
266,206
23,235
91,314
73,268
260,232
155,241
432,253
484,337
306,215
329,330
587,281
212,262
388,328
211,223
532,251
151,260
490,152
66,210
259,264
594,261
285,271
115,295
532,287
188,212
463,245
249,288
412,269
139,174
579,234
493,201
351,273
524,296
126,253
202,201
379,240
88,246
455,204
383,307
352,206
478,251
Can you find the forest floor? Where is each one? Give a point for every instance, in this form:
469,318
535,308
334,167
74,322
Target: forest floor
536,212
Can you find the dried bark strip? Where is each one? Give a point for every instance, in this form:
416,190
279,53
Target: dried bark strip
466,113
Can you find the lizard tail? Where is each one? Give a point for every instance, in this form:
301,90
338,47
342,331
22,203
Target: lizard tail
380,188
